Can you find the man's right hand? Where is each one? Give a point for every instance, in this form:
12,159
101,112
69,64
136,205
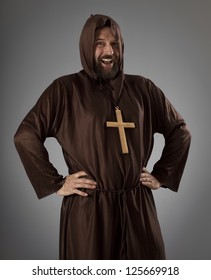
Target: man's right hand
75,182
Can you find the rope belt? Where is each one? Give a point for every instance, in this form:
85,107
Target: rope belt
122,206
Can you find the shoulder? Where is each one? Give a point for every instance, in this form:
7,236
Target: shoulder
65,80
144,87
142,84
138,81
57,89
135,78
71,81
62,84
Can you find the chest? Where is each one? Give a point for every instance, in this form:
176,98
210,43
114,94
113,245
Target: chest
95,106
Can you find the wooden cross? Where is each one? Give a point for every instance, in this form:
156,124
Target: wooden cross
121,127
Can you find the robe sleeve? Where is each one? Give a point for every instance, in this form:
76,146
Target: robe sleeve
166,120
42,121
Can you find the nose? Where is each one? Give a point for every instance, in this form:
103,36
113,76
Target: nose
108,49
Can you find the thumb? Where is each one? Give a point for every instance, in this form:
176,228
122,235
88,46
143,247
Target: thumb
144,170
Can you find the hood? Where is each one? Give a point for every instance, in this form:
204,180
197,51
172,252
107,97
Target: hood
87,41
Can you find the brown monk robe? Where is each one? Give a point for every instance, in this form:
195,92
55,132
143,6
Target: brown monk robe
104,121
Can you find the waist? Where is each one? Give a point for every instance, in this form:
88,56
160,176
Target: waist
117,191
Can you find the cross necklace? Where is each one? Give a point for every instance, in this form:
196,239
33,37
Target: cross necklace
121,127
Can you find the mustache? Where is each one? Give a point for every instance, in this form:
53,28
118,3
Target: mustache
108,56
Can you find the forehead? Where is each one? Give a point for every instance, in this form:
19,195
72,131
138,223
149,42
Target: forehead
104,33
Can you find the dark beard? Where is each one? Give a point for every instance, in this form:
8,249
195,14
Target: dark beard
106,75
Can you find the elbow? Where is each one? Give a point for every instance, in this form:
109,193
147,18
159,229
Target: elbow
186,134
189,136
20,138
17,139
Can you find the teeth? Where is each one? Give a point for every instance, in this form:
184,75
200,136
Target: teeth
107,60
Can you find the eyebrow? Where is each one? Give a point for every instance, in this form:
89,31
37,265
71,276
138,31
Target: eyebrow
101,39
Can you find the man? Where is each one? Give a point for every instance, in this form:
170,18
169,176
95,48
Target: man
104,121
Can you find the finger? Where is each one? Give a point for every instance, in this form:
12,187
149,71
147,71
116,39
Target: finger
145,177
146,180
79,174
85,181
152,185
84,186
76,191
146,183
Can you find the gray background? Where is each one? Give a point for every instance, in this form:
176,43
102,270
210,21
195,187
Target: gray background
168,41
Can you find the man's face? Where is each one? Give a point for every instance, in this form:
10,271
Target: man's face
106,53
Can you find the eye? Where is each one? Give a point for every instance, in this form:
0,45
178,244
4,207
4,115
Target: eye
115,45
100,44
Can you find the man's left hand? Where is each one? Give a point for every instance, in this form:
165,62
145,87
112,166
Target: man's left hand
148,180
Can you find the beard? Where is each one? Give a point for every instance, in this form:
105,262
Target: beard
107,67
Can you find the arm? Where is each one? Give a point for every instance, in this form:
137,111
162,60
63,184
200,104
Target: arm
29,140
169,168
44,120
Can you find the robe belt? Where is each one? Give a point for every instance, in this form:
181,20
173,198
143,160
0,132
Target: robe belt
122,206
120,191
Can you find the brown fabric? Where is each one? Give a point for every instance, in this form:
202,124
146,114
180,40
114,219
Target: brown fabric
118,220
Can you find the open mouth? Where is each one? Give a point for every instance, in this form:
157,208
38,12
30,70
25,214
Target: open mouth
107,61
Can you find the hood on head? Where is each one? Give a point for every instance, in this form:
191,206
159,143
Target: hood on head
87,41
